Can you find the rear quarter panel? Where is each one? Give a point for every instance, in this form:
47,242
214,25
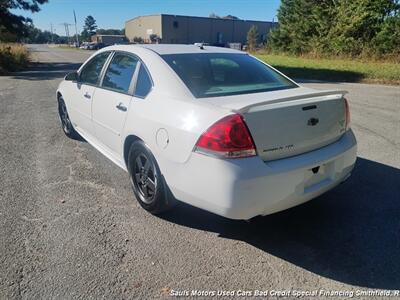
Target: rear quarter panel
169,107
183,121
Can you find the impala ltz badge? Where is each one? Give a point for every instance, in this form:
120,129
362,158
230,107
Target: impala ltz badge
312,122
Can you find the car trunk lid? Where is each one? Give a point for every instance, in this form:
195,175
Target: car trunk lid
289,123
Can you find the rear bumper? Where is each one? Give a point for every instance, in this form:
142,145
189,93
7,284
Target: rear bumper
245,188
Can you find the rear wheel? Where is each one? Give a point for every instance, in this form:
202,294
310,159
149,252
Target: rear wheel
66,123
148,184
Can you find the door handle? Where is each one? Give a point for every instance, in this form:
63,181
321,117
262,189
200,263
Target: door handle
87,95
121,107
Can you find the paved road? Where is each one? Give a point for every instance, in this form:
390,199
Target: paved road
70,226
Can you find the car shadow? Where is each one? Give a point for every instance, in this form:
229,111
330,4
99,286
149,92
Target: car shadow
46,71
350,234
319,74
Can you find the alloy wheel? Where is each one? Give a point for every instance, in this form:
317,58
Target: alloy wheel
145,178
65,121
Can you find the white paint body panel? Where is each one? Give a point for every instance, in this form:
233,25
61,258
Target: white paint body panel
80,110
248,187
109,122
170,121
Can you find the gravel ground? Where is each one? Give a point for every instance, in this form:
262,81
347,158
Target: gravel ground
71,228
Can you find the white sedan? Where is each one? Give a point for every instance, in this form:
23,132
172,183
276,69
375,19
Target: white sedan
213,127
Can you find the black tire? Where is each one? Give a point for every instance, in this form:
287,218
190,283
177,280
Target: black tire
148,184
66,123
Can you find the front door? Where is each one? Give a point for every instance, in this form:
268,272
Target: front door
112,100
83,93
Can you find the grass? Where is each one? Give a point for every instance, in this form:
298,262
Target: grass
13,57
335,69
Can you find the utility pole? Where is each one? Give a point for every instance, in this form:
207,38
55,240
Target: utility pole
76,31
51,30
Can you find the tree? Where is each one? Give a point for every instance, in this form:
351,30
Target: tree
12,25
110,31
359,22
214,16
138,40
89,28
252,38
299,24
154,38
387,41
230,17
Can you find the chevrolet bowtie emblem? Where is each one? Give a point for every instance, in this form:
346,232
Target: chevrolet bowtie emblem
312,122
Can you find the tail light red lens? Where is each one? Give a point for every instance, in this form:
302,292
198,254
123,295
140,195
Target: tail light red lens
347,113
227,138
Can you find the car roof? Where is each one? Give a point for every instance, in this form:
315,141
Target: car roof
176,48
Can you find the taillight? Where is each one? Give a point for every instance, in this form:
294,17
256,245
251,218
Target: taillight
347,114
227,138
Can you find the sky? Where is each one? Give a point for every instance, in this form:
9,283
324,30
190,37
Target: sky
113,13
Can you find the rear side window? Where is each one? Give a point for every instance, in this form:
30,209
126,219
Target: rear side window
144,84
222,74
90,73
119,73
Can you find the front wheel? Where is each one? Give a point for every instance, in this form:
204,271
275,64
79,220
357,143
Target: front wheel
65,120
148,184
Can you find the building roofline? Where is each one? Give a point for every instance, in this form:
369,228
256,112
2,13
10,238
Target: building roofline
153,15
170,15
162,49
239,20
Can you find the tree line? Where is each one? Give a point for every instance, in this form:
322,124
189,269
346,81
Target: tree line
37,36
337,27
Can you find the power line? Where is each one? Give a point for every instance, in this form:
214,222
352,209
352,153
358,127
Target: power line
66,26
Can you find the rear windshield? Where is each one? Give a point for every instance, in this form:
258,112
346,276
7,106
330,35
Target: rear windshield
222,74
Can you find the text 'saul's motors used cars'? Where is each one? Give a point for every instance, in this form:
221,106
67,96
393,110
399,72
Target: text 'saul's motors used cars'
212,127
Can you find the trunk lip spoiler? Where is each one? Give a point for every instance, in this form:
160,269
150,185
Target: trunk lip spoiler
306,96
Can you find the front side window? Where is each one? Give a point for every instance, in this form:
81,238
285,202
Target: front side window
90,73
119,73
143,84
223,74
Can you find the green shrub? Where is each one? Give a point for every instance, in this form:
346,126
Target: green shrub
252,38
345,28
387,41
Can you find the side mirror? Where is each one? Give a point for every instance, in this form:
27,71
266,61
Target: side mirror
73,76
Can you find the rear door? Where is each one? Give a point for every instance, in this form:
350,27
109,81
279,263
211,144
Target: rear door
112,100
